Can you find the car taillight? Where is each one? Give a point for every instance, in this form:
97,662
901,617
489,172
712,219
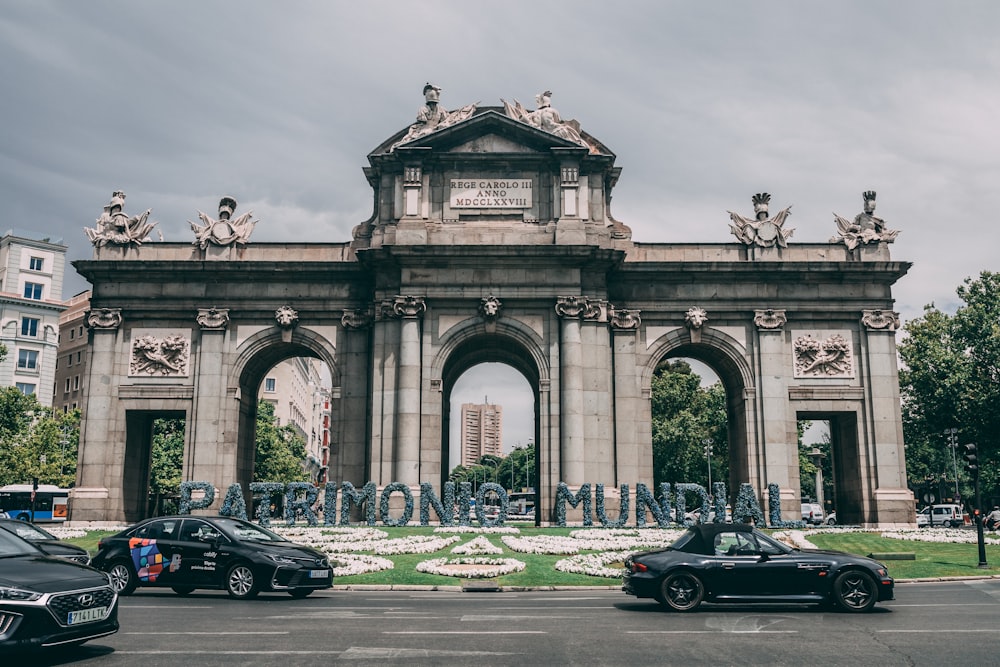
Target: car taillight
100,543
639,567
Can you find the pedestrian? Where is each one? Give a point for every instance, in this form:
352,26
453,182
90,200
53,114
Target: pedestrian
993,519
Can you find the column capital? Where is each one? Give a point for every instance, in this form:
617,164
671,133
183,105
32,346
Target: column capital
769,319
582,308
104,318
356,319
213,319
880,320
625,320
408,307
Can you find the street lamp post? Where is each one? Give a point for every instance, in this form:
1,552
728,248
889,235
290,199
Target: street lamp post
951,435
817,458
708,442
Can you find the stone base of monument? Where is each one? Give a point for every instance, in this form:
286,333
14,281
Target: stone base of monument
480,586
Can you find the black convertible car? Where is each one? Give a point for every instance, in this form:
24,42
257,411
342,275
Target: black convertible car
189,552
737,563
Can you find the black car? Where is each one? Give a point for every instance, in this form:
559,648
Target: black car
47,601
45,540
737,563
189,552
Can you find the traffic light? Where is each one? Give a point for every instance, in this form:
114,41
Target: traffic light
971,459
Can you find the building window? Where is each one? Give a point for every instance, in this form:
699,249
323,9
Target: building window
79,356
76,382
69,359
269,385
36,263
67,386
29,326
33,291
27,360
81,329
25,388
72,333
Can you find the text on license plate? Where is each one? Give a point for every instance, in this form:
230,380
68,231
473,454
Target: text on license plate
319,574
87,615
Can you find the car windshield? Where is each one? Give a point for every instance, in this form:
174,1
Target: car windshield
248,532
12,545
27,531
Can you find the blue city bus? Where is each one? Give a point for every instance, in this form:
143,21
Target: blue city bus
51,502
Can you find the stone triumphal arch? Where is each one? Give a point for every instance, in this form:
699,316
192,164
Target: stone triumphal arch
492,239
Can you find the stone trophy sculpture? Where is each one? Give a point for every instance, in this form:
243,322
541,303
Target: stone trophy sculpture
116,228
762,231
226,230
866,227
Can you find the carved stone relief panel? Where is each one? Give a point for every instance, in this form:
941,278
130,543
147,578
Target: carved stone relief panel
822,355
159,353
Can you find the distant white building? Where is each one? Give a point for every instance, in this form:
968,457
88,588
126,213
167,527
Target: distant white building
482,431
31,281
295,388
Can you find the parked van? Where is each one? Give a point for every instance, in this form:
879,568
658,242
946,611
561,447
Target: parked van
812,513
949,516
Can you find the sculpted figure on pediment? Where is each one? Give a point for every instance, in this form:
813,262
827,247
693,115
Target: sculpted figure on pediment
546,118
116,228
762,231
226,230
866,227
432,116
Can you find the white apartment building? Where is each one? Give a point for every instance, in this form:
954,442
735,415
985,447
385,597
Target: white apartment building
31,281
482,431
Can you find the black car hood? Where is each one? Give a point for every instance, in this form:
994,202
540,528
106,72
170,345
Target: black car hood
57,548
47,574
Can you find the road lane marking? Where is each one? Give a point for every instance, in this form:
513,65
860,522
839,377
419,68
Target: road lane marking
380,653
221,632
464,632
712,632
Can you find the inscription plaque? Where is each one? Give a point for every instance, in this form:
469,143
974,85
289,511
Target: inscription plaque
490,192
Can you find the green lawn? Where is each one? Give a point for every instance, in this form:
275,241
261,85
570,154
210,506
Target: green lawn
932,559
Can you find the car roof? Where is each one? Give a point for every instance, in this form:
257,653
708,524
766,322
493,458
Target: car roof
703,535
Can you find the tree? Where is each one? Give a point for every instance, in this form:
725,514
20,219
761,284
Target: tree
166,458
951,379
280,449
36,441
684,415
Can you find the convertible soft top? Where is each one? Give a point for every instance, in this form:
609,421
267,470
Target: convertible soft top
702,536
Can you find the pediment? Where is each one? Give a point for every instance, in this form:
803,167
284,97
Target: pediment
488,130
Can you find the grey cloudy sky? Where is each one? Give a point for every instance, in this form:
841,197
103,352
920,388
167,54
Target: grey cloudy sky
705,103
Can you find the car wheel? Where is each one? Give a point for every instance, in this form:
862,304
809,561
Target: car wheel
123,579
300,593
182,590
831,522
240,582
23,517
682,591
855,591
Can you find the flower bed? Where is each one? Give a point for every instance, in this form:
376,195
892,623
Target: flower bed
471,568
596,565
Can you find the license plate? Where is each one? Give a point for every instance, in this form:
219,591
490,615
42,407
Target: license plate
87,615
319,574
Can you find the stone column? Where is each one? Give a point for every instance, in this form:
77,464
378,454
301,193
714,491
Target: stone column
407,458
634,461
348,449
211,452
98,492
777,455
893,500
571,451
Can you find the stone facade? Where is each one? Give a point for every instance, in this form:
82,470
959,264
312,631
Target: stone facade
492,240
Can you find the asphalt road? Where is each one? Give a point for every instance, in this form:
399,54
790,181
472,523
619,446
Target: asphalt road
949,623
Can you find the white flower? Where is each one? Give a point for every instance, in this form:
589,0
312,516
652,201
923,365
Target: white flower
476,546
458,567
594,564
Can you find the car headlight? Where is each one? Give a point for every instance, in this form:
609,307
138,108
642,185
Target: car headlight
282,559
19,594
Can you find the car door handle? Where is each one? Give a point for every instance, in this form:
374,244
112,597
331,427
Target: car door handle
728,566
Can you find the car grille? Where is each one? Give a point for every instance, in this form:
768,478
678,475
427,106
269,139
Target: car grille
61,605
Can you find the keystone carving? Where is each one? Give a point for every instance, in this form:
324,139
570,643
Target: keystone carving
695,317
104,318
769,318
286,317
490,307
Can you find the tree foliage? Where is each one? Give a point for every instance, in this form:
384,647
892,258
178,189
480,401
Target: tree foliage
684,415
951,379
513,472
280,449
36,441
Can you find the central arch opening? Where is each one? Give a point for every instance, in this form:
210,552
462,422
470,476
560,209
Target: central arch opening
490,394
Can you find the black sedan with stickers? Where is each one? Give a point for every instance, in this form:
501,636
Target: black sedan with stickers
726,563
47,601
185,553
